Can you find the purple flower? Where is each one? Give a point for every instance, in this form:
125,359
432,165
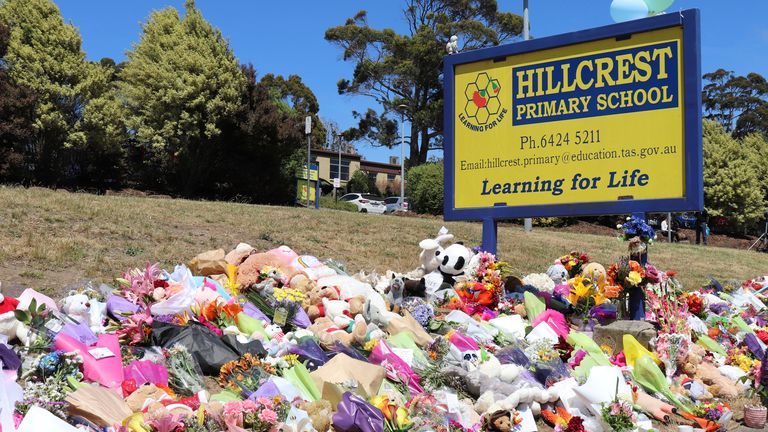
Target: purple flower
423,313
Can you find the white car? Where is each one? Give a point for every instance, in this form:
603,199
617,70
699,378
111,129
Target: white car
366,203
393,204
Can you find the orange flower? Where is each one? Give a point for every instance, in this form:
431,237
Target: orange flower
612,291
713,332
210,311
232,309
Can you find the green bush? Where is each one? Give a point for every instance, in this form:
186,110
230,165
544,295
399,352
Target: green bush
424,187
359,183
328,202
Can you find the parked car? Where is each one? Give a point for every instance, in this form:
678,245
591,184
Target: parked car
393,204
366,203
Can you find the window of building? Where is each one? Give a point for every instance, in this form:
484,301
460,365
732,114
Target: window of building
391,177
344,168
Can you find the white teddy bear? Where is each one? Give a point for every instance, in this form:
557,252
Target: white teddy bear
11,327
85,310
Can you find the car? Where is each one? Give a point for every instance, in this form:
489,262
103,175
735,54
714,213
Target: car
393,204
366,203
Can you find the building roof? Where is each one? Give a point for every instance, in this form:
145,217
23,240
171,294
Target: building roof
326,152
379,167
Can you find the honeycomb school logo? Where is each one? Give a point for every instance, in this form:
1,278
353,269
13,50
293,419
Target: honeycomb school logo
482,110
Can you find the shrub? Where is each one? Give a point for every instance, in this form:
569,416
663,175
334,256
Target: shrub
424,187
359,183
327,201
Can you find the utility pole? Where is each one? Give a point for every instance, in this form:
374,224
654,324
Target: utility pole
308,132
528,222
402,154
338,173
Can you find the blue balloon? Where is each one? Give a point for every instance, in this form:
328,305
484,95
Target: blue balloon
658,6
627,10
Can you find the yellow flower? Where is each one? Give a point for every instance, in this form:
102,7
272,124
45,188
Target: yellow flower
401,417
580,288
634,278
371,344
231,283
291,359
599,298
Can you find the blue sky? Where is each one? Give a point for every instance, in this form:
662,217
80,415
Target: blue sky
286,37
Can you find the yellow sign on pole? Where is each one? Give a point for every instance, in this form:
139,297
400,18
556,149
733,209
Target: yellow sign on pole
592,122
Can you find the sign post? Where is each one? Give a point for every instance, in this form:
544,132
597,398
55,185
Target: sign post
602,121
308,132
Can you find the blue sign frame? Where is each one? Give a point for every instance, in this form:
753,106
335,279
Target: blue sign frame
694,182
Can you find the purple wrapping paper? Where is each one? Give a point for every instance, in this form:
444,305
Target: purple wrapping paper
144,371
267,390
117,307
308,350
301,319
339,347
9,359
80,332
397,369
254,312
354,414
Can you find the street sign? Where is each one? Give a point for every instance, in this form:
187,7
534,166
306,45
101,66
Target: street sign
308,125
337,182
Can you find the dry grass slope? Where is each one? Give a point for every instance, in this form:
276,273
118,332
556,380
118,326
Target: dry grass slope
49,239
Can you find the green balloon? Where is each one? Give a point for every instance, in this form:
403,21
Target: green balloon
658,6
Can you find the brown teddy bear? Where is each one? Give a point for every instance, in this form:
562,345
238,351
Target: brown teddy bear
328,333
320,413
314,302
699,368
249,271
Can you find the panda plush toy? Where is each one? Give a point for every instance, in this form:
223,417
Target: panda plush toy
453,260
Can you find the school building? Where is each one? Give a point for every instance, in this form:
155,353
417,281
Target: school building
380,173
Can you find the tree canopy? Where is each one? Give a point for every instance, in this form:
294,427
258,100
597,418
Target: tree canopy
405,69
739,103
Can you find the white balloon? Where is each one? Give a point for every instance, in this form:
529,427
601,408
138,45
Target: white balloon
627,10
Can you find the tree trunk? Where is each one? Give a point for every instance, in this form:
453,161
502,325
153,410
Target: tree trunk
424,145
414,156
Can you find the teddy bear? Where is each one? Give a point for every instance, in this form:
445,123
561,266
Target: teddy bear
558,273
248,273
320,414
302,283
700,369
314,302
9,325
85,310
394,293
328,333
338,312
453,261
595,272
431,249
356,305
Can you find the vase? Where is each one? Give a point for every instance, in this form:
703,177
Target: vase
755,416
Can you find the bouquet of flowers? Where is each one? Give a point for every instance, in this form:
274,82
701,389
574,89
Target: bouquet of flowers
626,275
563,421
484,285
584,295
668,308
245,375
619,415
428,414
637,227
136,329
216,315
712,411
671,349
260,415
183,372
396,418
138,286
573,262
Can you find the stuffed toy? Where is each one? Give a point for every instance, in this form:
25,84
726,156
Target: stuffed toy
302,282
320,413
328,333
394,294
85,310
314,301
453,262
376,312
700,369
356,305
558,274
595,272
338,312
9,325
248,272
429,257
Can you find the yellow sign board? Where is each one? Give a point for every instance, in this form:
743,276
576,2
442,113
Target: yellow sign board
591,122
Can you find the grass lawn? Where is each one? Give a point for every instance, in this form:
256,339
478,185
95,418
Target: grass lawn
50,239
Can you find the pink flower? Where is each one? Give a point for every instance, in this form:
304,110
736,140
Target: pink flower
268,416
249,406
158,294
265,402
577,358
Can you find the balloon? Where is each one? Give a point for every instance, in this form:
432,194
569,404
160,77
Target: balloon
627,10
658,6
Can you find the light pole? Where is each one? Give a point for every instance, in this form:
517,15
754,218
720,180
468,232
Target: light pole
527,222
308,131
338,171
402,154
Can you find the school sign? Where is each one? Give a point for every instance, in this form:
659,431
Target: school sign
602,121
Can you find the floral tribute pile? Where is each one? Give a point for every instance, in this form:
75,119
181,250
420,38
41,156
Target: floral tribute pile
276,341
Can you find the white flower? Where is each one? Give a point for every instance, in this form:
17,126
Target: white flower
540,281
